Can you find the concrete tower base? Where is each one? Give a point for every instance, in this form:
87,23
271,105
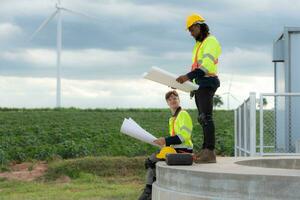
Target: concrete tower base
230,178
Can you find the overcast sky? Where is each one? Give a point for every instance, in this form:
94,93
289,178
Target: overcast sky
104,57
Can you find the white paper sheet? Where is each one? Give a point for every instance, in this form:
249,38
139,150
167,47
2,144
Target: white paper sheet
166,78
132,129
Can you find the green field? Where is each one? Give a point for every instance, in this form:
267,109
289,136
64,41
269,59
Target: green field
87,187
92,178
67,138
41,134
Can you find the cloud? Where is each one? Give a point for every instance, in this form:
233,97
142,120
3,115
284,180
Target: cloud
122,93
128,38
9,31
131,62
125,93
78,64
76,58
247,62
159,25
121,10
242,85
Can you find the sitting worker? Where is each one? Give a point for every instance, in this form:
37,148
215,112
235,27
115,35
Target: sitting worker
180,128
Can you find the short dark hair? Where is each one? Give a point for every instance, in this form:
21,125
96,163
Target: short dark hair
172,92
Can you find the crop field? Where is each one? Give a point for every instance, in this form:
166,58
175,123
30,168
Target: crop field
41,134
84,154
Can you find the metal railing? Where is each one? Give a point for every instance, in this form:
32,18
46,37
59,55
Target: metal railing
279,130
269,125
245,127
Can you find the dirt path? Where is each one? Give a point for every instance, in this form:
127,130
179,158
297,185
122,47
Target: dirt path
25,171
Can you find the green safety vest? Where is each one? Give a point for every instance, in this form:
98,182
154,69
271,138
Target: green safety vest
205,56
182,126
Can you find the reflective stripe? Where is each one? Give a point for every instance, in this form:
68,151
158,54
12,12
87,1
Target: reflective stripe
211,57
216,61
181,138
182,127
180,146
198,65
173,126
186,128
210,75
204,69
208,55
195,64
199,62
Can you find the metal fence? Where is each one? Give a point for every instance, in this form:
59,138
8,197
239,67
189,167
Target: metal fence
279,132
269,125
245,127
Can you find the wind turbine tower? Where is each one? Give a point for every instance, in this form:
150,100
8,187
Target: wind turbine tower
58,13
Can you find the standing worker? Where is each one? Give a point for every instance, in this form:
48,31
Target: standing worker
180,128
204,73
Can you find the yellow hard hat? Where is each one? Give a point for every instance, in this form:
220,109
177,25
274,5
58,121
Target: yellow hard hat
193,18
164,151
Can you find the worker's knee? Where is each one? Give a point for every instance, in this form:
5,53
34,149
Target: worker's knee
149,164
205,119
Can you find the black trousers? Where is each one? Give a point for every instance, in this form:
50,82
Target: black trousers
204,102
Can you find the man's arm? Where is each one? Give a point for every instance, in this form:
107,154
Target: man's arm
196,73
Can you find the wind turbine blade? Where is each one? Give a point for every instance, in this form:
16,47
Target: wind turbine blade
230,82
235,98
43,25
224,93
78,13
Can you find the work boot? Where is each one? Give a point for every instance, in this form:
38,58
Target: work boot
200,153
147,193
197,155
207,156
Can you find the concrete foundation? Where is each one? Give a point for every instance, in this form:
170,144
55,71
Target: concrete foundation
230,178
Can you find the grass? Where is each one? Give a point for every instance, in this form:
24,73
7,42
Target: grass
93,178
60,135
100,166
85,187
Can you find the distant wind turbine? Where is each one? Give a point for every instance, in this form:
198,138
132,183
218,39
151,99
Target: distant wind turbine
57,12
229,94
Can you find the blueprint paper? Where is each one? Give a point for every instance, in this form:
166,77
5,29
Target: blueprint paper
132,129
166,78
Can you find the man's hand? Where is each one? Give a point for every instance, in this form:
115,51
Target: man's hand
182,79
160,141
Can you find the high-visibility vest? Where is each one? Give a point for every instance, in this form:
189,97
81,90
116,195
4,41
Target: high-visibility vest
182,126
205,56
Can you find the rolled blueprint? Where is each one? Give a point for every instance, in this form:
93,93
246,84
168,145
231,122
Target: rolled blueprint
132,129
166,78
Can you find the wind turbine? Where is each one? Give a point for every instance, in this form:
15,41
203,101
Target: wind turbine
229,94
57,12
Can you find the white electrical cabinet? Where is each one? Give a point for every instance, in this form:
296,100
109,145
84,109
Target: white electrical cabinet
286,58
